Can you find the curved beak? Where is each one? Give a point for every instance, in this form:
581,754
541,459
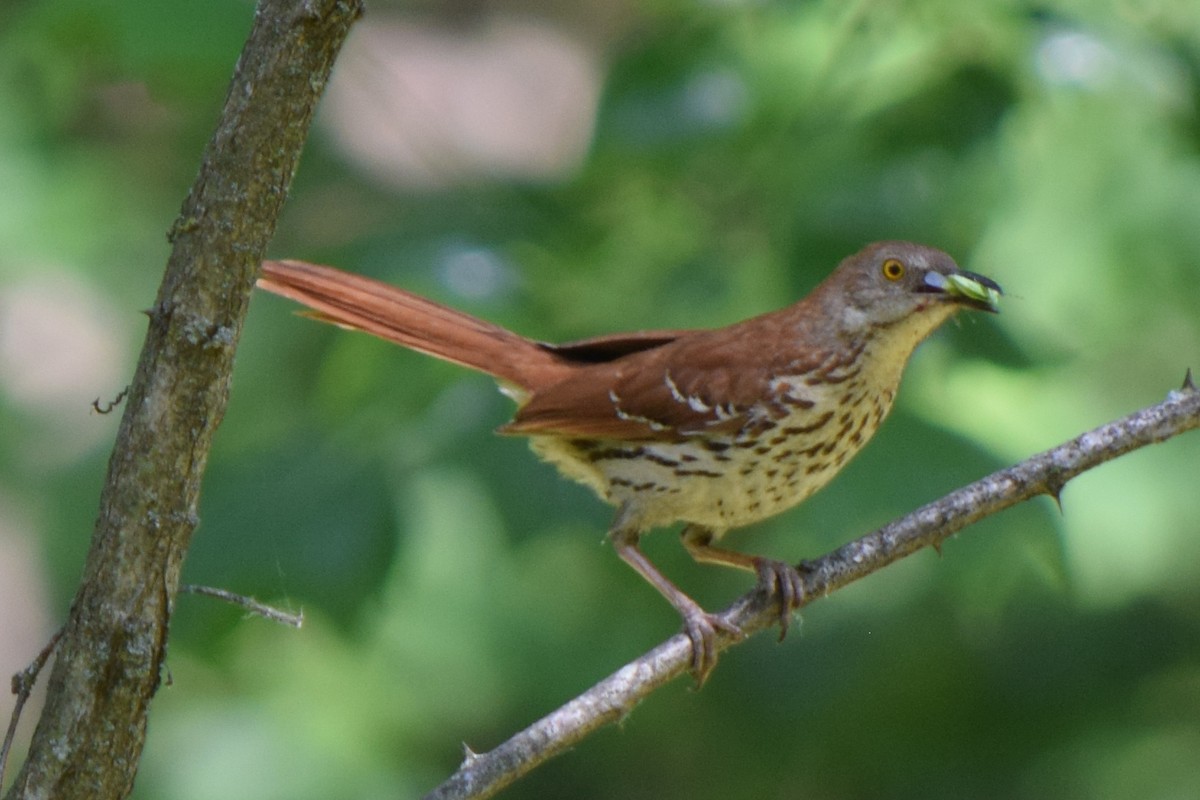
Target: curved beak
966,288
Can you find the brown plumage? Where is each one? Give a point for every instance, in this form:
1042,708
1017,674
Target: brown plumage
715,428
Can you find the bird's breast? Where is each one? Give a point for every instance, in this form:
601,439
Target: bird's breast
793,442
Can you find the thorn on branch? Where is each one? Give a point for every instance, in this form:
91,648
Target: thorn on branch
1054,483
1188,384
158,312
108,407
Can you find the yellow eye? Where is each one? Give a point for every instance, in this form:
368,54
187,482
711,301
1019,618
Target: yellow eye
892,269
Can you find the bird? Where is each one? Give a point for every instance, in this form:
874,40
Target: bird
714,428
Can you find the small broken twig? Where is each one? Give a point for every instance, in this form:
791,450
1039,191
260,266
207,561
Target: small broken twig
108,407
22,686
249,603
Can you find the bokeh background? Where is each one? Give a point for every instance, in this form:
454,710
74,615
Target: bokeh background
580,168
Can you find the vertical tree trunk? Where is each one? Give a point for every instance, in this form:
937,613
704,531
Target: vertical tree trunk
89,739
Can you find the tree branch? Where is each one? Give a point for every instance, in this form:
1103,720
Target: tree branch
89,739
482,775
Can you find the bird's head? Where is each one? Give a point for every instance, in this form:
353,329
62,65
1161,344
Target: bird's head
888,283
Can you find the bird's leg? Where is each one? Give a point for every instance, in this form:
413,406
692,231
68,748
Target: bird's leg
701,627
776,578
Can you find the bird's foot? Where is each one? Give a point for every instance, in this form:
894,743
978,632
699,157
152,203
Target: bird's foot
783,582
702,628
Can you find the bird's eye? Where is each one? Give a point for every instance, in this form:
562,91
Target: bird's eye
892,269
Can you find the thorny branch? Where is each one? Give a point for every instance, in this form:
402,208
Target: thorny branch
484,774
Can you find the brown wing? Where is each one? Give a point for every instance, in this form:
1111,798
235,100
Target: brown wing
599,349
703,381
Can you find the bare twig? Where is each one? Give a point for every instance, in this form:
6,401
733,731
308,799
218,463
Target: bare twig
248,603
484,774
22,686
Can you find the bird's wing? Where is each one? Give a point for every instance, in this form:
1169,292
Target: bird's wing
697,384
599,349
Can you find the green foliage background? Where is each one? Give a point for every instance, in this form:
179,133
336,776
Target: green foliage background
455,589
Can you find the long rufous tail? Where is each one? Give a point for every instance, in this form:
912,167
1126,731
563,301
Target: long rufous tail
359,303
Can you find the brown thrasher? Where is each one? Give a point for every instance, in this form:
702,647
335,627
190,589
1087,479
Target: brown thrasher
715,428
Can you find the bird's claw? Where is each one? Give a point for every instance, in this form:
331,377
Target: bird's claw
784,583
702,627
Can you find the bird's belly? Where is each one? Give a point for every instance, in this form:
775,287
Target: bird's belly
715,493
719,482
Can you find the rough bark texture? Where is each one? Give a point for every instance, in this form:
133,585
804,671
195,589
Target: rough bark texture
89,739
